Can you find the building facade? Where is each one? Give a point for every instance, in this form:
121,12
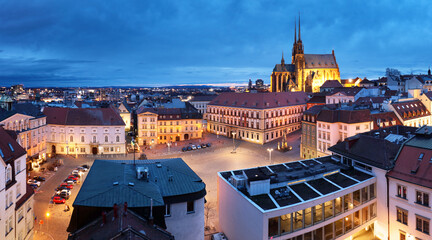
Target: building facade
256,117
30,125
308,145
168,125
411,112
16,205
307,72
200,103
84,131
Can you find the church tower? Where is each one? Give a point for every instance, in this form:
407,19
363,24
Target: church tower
298,58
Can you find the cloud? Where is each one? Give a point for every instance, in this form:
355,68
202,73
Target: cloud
176,42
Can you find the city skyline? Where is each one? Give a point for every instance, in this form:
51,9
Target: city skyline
151,44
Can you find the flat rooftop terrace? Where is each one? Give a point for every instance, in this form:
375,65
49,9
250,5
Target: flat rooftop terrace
296,182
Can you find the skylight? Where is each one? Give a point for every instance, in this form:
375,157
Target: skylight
1,153
11,148
421,156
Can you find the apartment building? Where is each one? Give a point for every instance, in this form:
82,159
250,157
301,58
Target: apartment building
168,125
410,188
16,205
308,145
79,131
200,102
411,112
256,117
29,123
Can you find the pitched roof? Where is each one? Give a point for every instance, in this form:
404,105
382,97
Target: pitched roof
260,100
314,110
348,91
9,148
83,116
367,100
344,116
317,99
385,118
99,189
331,84
284,68
320,61
410,109
429,95
206,98
21,108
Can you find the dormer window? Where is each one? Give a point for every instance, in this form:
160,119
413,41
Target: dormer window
421,156
11,148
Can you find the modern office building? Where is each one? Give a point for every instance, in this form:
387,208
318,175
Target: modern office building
256,117
165,191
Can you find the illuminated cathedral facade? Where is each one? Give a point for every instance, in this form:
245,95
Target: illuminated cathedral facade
307,72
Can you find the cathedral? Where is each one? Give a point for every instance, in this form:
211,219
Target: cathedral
307,72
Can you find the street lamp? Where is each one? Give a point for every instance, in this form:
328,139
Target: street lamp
217,134
47,216
270,150
234,147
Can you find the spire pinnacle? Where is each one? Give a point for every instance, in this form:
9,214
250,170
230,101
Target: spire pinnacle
299,28
282,60
295,31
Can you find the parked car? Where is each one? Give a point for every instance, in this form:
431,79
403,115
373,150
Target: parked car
208,144
85,166
32,181
194,147
67,191
203,145
34,186
82,169
58,200
73,177
198,146
64,195
75,171
184,149
189,148
69,186
39,178
69,181
59,188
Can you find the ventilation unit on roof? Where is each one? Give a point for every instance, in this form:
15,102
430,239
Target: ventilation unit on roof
238,181
142,173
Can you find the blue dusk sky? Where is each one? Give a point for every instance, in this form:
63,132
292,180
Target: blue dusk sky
156,43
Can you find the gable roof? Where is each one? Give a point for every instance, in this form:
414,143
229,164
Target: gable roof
320,61
344,116
83,116
262,100
347,91
331,84
284,68
206,98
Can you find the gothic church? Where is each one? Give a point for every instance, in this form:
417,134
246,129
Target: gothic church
307,72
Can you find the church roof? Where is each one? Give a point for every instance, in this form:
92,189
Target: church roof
320,61
284,68
331,84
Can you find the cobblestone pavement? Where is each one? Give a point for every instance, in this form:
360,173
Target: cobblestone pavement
205,162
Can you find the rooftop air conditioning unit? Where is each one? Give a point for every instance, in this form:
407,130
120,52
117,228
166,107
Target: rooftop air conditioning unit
238,181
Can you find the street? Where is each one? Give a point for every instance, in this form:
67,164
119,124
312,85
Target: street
205,162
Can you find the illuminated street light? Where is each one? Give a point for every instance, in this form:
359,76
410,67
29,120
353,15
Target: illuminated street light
270,150
234,148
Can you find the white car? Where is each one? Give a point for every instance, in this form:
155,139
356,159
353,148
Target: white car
75,171
32,181
194,147
68,192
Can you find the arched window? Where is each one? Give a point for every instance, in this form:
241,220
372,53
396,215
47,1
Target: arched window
106,138
118,138
94,139
71,138
82,139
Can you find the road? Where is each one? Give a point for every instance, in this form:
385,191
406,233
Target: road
205,162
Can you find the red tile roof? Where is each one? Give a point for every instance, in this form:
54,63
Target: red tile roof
331,84
344,116
260,100
386,118
83,116
10,149
411,109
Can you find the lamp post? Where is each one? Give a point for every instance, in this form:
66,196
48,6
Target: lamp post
270,150
133,144
47,216
169,145
234,147
217,134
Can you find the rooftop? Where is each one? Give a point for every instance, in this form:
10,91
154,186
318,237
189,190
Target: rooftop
83,116
260,100
411,109
295,182
115,181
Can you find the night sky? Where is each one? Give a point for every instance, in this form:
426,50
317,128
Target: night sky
156,43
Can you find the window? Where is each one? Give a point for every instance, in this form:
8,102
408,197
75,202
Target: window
401,192
71,139
422,198
357,127
402,215
11,148
17,166
18,190
167,210
117,138
190,207
421,156
94,139
106,138
8,173
422,224
82,139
